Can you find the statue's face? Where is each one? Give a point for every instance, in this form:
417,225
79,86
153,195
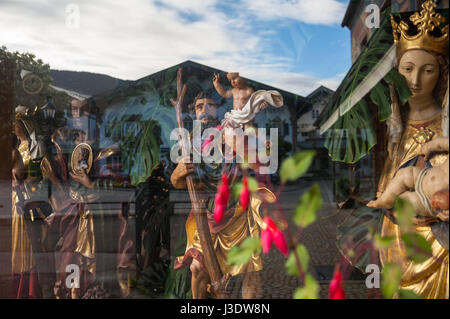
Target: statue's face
19,131
77,108
205,110
236,81
421,70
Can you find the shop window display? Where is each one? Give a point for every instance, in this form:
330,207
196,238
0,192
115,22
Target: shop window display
195,182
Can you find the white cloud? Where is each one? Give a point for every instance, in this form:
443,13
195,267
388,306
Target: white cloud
298,83
270,74
134,38
324,12
125,39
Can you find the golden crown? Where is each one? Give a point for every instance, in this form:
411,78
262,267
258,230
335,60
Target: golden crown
21,112
426,21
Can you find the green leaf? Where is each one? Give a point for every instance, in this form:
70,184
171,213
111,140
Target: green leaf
405,214
296,165
407,294
239,255
310,202
140,154
309,291
291,264
383,242
380,96
237,187
399,83
358,123
390,280
417,248
353,135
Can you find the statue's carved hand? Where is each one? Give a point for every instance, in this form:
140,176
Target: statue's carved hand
216,78
180,172
443,216
439,144
427,150
83,179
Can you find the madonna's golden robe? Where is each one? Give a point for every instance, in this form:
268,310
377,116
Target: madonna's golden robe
429,279
21,252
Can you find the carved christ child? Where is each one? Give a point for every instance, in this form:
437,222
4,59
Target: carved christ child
404,182
240,92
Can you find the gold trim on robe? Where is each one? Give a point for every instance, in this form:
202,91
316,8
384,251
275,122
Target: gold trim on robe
239,227
85,234
429,279
410,148
21,252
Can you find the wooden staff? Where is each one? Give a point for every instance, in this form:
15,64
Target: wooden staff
218,281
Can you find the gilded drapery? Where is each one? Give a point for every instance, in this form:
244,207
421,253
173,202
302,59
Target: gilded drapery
429,279
21,252
239,227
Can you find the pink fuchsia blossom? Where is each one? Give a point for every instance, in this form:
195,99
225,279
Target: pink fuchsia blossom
208,141
266,240
219,212
245,194
271,234
336,290
221,199
280,241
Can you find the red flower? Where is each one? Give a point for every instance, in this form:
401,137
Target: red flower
280,242
208,141
221,199
219,211
271,234
336,290
266,241
245,195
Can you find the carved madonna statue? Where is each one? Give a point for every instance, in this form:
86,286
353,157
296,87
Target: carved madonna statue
422,58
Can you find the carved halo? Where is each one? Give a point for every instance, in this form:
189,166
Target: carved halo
82,151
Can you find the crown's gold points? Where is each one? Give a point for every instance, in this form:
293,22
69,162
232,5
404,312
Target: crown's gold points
426,22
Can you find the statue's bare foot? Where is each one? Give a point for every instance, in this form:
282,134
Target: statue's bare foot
218,289
380,202
374,204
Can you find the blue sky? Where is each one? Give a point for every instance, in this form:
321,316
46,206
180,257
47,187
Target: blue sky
323,51
295,45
